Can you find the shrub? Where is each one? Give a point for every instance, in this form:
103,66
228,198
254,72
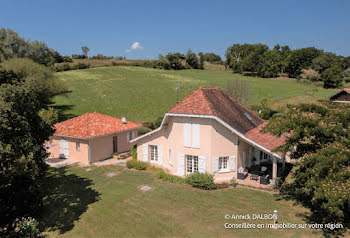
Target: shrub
201,180
28,227
144,130
136,165
233,182
158,122
161,174
67,59
149,125
134,152
81,66
310,74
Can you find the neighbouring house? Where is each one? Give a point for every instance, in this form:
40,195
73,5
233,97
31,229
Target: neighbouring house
341,97
209,131
91,137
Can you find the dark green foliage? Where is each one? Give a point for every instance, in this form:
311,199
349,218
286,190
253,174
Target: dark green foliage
332,77
192,60
169,177
201,180
139,165
270,64
158,122
149,125
134,152
210,57
320,135
28,228
85,50
76,56
81,66
143,130
67,59
301,59
63,67
175,60
101,57
263,109
325,61
14,46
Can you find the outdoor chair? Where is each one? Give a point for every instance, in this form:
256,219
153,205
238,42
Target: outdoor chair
265,179
242,173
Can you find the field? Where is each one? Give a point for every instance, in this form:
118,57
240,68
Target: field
143,94
87,203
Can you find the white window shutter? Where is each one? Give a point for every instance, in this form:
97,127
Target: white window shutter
180,164
215,165
160,155
201,164
145,152
171,158
187,135
232,163
196,136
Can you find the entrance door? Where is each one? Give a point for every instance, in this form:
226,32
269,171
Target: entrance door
115,144
64,149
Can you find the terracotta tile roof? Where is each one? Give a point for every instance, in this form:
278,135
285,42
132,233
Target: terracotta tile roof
214,101
266,140
347,90
93,124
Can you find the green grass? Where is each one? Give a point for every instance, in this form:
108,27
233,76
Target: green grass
143,94
85,203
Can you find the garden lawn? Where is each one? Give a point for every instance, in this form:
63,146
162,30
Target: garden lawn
143,94
86,203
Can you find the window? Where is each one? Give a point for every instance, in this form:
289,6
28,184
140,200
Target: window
77,146
154,152
191,163
223,161
264,156
171,158
192,135
129,136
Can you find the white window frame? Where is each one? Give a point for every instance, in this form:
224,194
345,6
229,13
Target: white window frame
223,164
129,136
77,146
192,164
153,149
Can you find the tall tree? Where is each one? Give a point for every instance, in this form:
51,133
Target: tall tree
85,50
319,137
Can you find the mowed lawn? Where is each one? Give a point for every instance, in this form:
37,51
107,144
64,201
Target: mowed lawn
84,202
143,94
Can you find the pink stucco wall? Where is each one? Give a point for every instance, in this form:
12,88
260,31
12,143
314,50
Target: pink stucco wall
215,141
100,148
81,156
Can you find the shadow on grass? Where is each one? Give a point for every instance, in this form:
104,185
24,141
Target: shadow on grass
67,198
62,112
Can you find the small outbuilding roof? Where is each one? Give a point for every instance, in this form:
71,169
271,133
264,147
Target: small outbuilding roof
90,125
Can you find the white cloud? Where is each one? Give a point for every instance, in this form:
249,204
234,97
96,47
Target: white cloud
135,46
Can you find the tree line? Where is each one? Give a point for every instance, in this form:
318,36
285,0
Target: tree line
307,63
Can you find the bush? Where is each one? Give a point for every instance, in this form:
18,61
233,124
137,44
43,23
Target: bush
233,182
149,125
203,181
28,227
67,59
136,165
134,152
143,130
158,122
310,74
161,174
81,66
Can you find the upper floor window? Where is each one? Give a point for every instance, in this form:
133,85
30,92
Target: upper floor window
192,135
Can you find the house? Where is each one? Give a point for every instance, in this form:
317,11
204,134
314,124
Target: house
209,131
91,137
341,97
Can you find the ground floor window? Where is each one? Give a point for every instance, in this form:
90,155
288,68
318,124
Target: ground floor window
77,146
154,152
223,161
191,163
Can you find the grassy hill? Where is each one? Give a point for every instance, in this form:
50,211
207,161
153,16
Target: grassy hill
143,94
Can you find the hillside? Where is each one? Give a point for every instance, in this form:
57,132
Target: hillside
143,94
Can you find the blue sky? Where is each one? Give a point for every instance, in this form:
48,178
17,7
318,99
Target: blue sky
111,27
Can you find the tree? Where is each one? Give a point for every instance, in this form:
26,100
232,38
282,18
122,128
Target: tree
175,60
325,61
269,65
318,136
301,59
192,60
85,50
22,153
332,77
239,90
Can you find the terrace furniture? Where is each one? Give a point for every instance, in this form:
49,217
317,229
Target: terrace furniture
265,179
254,177
262,171
242,173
